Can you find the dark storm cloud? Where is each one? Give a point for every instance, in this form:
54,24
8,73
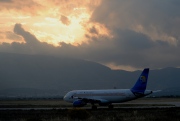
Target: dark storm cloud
28,37
133,40
155,44
121,50
160,16
93,30
31,46
133,49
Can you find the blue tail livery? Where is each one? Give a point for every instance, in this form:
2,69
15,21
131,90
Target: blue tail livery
140,85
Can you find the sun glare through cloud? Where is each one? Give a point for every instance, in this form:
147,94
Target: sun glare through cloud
53,21
120,34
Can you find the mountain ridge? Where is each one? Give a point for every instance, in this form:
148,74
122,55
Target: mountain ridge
64,74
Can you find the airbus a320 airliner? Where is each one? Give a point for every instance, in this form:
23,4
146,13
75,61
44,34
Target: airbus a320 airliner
80,98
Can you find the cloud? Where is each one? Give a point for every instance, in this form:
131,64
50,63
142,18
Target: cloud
93,30
5,0
132,49
64,20
31,46
12,36
9,37
28,37
46,19
127,48
144,34
158,20
28,7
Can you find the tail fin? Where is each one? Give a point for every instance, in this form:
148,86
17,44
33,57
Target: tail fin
141,83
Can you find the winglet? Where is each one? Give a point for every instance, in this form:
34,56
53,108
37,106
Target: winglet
141,83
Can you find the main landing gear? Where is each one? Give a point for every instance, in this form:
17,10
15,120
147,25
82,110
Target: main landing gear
110,106
94,107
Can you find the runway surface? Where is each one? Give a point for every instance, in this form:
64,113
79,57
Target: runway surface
61,105
130,106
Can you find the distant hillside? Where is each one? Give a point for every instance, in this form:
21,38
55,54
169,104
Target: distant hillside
39,72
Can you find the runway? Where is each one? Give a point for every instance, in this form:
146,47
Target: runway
122,106
61,105
58,110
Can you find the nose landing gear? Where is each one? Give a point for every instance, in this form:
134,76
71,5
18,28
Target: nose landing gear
110,106
94,107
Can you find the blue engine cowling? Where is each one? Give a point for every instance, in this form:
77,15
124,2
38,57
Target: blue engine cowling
79,103
104,102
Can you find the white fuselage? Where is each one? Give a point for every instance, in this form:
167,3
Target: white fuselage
110,95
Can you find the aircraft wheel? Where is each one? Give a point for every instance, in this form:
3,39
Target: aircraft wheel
94,107
110,106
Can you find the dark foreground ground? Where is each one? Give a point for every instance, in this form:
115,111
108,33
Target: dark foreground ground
120,114
161,109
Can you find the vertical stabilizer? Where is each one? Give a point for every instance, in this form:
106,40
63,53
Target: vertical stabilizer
141,83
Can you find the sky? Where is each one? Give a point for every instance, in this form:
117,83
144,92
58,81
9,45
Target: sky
121,34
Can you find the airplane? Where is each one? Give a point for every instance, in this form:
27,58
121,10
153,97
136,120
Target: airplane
107,97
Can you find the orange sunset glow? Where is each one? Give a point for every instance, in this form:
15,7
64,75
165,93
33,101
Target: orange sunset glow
120,34
50,21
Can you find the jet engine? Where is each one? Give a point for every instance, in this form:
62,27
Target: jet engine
103,102
79,103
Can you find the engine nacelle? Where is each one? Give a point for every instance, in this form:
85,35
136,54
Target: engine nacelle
104,102
79,103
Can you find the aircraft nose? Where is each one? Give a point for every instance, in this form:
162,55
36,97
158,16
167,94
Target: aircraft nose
65,98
